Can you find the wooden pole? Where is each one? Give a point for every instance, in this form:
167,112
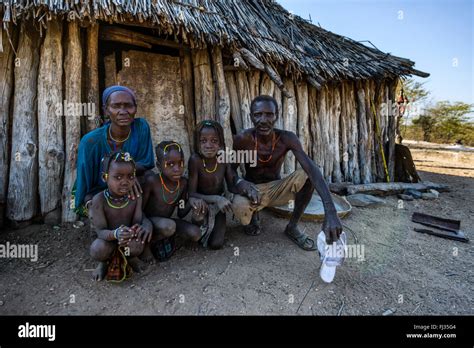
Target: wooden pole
254,83
50,123
204,90
315,126
344,130
391,133
290,120
234,100
244,98
353,143
336,116
92,75
23,181
72,78
6,88
223,98
364,149
188,95
303,114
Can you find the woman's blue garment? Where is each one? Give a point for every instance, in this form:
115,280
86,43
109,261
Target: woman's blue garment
94,146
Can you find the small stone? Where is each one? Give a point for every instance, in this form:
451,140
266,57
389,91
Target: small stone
363,200
389,311
1,303
405,197
414,193
428,196
436,193
78,224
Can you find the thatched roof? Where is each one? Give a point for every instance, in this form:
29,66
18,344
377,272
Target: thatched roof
272,34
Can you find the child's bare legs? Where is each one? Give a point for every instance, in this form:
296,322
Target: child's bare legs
188,230
101,251
216,239
162,227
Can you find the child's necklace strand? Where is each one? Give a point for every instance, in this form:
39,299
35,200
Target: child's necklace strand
108,198
207,170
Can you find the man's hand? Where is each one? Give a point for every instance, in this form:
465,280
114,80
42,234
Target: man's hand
142,234
250,190
224,205
198,205
136,190
332,227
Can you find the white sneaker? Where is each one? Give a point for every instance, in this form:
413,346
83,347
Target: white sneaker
331,255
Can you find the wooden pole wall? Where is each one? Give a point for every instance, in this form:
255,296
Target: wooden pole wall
6,88
50,123
23,179
72,94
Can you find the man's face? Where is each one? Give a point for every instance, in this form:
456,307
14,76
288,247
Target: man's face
121,108
172,165
209,143
120,178
264,117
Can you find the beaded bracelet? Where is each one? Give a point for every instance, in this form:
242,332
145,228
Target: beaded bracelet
115,233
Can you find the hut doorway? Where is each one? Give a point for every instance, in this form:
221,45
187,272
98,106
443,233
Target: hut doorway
157,81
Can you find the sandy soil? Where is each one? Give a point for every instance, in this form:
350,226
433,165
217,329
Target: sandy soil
402,270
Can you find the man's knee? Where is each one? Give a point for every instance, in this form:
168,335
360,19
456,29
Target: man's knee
166,227
101,250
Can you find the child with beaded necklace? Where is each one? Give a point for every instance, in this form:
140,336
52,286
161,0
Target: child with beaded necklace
165,191
206,181
118,222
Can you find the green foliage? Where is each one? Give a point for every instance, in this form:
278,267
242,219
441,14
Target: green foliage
446,122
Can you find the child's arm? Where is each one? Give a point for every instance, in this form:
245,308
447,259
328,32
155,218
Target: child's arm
99,223
191,202
98,219
147,188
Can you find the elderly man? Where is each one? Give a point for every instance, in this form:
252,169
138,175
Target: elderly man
264,185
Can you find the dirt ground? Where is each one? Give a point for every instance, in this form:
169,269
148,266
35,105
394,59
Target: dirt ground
407,272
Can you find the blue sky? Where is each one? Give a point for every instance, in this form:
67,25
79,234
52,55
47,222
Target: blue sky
435,34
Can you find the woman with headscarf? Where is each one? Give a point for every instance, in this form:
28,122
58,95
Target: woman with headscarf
124,132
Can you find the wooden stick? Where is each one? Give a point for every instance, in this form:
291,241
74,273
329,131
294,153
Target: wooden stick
23,183
72,78
384,189
113,33
244,98
303,114
290,120
223,98
235,111
188,95
6,88
204,91
50,123
92,74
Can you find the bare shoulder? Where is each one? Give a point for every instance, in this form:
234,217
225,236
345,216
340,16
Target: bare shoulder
98,199
287,137
151,180
242,137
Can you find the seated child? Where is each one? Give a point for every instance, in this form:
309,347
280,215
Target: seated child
122,233
206,180
167,190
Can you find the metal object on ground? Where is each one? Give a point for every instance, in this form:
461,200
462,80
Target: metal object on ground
450,229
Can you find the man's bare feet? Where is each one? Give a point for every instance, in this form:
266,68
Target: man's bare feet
147,255
254,228
100,271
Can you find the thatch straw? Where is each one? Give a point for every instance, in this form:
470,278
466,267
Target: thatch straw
271,33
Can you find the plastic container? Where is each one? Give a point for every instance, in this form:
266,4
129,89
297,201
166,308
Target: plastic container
331,255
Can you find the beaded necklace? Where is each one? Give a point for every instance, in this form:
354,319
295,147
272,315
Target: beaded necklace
207,170
173,201
109,199
274,142
115,141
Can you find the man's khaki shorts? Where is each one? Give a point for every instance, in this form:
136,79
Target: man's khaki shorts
273,194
